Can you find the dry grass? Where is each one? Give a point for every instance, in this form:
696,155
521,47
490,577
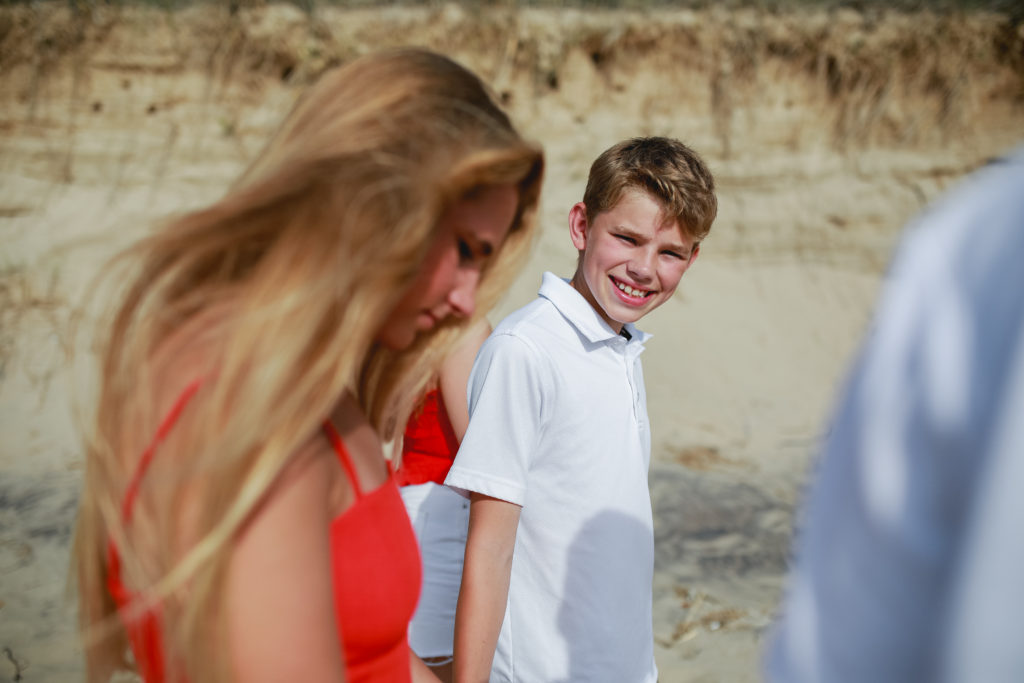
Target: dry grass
19,298
704,616
883,77
704,459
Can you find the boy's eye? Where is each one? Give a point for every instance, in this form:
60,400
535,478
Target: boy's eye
627,239
674,254
465,251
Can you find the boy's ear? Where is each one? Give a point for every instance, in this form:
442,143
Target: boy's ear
693,253
578,225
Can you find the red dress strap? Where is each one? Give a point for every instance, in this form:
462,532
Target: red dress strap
143,630
147,456
343,456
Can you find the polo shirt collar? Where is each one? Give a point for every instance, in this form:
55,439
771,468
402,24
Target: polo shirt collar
581,314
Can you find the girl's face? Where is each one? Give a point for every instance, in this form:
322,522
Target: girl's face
470,232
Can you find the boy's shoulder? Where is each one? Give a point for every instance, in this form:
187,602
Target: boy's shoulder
525,321
550,312
529,332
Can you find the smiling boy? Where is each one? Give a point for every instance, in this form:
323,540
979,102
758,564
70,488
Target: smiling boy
559,557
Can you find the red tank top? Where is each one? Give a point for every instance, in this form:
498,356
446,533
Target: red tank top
429,444
375,565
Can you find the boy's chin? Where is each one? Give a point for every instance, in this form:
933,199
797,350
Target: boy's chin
626,314
632,316
617,318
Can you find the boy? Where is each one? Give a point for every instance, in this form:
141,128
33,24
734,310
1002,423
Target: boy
559,557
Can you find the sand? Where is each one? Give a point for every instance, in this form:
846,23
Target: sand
826,130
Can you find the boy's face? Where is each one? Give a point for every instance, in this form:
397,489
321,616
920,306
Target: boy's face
631,257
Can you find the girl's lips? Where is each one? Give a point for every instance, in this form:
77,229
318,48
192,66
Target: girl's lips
427,321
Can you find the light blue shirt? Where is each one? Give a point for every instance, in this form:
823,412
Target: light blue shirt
911,566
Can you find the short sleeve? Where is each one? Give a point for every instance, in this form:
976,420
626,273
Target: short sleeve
506,398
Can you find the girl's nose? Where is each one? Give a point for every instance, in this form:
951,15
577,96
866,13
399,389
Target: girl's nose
462,298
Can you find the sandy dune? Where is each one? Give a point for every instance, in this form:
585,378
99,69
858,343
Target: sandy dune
826,132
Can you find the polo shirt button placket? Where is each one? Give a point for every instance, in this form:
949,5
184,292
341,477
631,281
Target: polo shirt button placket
630,366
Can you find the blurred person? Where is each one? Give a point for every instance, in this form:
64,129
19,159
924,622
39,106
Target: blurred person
910,563
239,520
440,516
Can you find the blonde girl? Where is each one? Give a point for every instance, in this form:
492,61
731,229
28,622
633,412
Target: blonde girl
238,520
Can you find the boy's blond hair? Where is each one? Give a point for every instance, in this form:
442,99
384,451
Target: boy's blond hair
666,169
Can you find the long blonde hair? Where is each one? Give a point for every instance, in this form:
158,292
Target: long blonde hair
302,259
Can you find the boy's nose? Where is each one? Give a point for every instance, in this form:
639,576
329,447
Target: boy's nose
462,297
641,266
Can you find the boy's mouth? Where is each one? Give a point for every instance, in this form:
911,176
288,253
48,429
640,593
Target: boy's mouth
632,291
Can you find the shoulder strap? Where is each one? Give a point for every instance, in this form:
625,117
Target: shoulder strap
147,456
343,456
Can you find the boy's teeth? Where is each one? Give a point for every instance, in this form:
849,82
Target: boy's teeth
629,290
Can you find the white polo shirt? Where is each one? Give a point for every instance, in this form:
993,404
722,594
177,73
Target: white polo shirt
558,425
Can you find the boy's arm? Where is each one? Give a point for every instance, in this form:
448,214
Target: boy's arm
421,673
485,581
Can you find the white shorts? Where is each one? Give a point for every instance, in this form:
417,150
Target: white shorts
440,518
